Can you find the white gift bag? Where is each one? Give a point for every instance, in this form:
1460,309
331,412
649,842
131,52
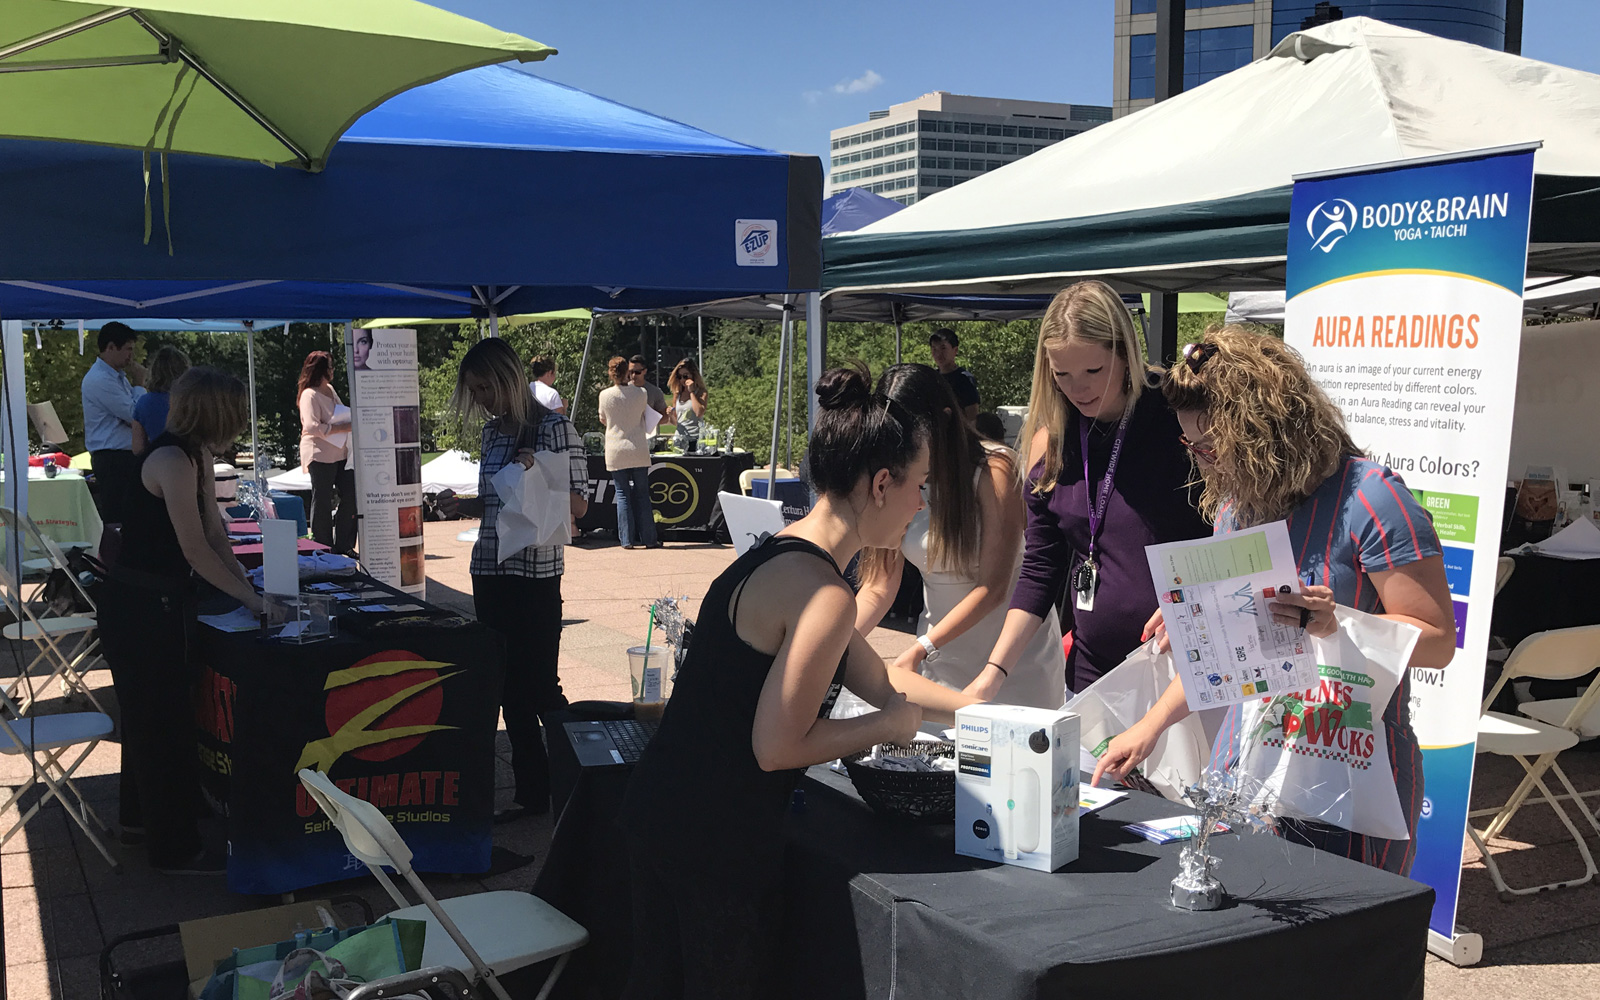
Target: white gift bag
1121,698
535,504
1323,755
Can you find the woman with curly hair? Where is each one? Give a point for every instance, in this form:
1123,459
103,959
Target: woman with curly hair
1271,446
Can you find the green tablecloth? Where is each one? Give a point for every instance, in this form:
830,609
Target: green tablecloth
63,508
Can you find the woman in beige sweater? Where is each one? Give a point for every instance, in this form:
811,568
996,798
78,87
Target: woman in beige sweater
622,411
324,450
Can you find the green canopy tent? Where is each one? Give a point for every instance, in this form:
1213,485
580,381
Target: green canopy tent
271,80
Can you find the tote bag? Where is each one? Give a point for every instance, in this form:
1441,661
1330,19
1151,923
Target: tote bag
1323,754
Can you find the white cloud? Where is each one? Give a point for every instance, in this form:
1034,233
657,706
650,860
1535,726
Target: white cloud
860,85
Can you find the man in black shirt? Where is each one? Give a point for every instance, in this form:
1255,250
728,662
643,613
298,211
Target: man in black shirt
943,343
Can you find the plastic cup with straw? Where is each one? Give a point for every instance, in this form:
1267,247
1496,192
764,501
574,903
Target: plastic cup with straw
647,700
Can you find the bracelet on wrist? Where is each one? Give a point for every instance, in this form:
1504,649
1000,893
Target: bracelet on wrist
998,667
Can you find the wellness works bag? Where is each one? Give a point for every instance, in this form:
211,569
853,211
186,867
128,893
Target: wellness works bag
1119,699
1323,755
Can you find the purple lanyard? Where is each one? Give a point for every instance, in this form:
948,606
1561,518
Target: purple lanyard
1097,509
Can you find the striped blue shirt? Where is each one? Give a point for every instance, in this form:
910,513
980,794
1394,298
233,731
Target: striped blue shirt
1361,520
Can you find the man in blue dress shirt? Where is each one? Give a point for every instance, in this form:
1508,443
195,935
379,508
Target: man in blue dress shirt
110,388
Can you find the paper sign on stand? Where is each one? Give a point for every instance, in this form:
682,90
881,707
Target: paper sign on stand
280,558
1214,593
386,445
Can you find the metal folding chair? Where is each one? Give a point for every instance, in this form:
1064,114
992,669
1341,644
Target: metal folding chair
512,929
46,740
68,645
1559,654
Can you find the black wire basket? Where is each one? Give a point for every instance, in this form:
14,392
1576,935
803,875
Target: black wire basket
921,796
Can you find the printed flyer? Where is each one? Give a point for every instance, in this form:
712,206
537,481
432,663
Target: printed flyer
1213,593
1405,297
387,433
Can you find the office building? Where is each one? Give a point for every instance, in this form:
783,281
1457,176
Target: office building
1222,35
939,140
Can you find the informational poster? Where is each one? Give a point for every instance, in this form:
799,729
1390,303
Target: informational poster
1213,593
387,431
1405,298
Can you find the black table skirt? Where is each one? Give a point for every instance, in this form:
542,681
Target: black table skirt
1544,594
267,708
877,908
683,491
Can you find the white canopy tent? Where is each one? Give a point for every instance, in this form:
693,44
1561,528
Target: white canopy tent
1193,193
1545,296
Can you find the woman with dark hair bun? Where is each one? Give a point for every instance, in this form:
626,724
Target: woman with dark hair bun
774,643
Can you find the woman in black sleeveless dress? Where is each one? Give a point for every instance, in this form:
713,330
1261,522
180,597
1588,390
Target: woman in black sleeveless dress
774,642
170,531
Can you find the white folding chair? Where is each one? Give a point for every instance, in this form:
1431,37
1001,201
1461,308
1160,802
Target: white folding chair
1559,654
46,739
511,929
68,645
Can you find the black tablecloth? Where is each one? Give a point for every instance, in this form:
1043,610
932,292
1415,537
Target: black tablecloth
268,708
878,908
683,490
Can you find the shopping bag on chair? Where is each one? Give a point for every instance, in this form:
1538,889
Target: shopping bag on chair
1323,754
1119,699
385,948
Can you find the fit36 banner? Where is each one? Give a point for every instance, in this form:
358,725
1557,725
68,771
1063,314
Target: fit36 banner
1404,296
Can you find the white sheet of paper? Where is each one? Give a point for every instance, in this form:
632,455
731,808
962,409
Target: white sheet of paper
652,419
280,562
1091,798
341,439
1213,594
1578,540
237,620
535,504
292,630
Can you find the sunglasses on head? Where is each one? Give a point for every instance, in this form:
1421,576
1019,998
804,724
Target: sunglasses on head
1195,355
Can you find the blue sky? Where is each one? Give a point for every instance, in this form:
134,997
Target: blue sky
781,75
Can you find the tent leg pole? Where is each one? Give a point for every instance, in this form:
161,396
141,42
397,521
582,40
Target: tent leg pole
897,340
14,438
777,401
583,363
494,324
788,405
700,343
816,353
255,447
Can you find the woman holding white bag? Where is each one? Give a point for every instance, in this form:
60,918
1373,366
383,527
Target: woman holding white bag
518,596
1271,446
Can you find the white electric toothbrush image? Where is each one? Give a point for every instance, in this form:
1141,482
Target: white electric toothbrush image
1024,801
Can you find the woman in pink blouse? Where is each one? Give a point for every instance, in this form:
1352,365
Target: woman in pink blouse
324,450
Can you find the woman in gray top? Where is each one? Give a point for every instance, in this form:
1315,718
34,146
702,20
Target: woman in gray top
688,404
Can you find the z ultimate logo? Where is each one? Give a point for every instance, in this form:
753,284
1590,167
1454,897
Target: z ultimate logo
378,709
1329,223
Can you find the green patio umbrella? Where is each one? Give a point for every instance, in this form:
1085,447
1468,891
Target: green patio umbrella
271,80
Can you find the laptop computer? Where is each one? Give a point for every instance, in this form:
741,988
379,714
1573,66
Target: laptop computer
749,518
610,742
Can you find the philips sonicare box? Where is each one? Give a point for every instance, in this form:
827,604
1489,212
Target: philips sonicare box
1017,785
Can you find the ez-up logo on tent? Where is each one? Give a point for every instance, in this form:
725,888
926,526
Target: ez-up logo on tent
755,242
1336,218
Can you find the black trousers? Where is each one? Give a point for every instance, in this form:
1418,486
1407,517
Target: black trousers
327,527
146,635
116,473
527,612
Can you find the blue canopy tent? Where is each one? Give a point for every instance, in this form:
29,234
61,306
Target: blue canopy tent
486,193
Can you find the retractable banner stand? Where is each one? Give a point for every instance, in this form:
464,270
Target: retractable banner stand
1405,298
386,447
